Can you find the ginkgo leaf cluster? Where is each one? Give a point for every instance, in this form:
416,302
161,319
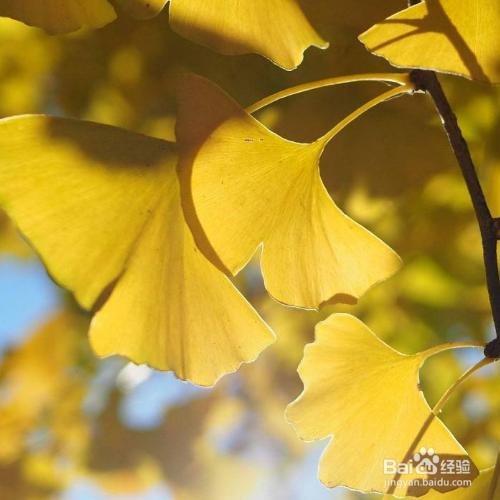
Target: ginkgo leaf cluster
147,234
225,26
117,218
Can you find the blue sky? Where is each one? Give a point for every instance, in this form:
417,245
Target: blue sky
27,297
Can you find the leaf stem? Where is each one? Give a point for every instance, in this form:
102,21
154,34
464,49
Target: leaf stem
450,345
449,392
488,226
400,78
394,92
435,411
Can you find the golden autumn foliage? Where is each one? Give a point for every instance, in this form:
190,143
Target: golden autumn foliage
300,243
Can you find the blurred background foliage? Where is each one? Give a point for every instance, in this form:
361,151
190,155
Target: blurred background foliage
75,427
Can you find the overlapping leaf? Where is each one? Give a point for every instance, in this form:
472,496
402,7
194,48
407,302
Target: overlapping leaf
451,36
365,394
246,185
59,16
228,27
276,29
242,27
101,205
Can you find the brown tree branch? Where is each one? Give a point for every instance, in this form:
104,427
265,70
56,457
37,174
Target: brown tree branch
489,226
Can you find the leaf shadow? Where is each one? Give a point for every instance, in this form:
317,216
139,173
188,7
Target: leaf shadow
191,138
108,145
438,21
420,486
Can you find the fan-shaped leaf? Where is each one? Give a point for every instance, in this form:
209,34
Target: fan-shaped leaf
365,395
276,29
101,205
246,185
450,36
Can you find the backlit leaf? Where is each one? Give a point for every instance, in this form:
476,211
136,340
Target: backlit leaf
450,36
101,205
365,395
276,29
59,16
246,185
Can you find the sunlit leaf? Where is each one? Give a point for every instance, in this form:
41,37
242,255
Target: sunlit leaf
445,35
246,185
392,170
59,16
365,395
101,205
276,29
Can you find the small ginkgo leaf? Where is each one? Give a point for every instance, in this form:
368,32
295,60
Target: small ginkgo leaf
275,29
450,36
480,489
365,395
246,185
101,205
59,16
142,9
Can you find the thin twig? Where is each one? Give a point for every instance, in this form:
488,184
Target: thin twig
428,81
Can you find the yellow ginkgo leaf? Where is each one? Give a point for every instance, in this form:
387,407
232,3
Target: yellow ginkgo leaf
451,36
366,396
276,29
59,16
101,205
246,185
142,9
480,489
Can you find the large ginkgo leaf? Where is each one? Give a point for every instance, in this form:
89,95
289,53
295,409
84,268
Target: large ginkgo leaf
451,36
59,16
276,29
101,205
246,185
366,396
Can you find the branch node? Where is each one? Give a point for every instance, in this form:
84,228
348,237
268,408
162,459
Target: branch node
418,78
492,349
